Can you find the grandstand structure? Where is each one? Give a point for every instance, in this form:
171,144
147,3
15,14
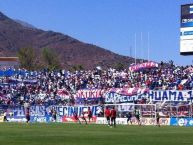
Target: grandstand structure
148,87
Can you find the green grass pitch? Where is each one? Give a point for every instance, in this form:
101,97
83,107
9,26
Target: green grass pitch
75,134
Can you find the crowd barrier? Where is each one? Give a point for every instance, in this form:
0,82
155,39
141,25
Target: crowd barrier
65,114
144,121
43,113
181,121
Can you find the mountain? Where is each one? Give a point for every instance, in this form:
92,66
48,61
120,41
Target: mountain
25,24
14,35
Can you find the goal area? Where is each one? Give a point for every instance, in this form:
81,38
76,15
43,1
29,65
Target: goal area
147,113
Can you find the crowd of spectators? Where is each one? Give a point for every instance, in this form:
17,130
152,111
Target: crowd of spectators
42,87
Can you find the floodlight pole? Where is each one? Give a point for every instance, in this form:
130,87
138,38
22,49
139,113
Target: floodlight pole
135,47
148,46
141,46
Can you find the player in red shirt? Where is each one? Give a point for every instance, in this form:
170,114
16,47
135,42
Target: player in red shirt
76,117
83,117
89,114
113,117
108,115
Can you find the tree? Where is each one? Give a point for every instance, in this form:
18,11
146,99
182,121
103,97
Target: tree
80,67
27,58
119,66
77,67
50,59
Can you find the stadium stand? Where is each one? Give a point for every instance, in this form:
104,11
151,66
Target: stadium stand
58,87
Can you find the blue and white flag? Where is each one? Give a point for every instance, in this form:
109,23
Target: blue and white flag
191,9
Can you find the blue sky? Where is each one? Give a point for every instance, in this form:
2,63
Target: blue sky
110,24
